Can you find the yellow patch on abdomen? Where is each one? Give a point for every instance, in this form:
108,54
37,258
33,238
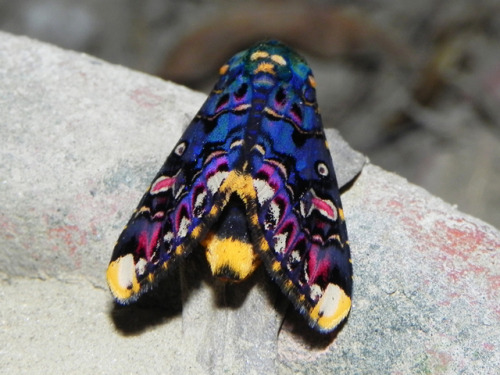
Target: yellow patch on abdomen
230,258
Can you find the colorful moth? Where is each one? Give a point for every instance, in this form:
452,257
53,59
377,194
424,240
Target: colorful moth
251,180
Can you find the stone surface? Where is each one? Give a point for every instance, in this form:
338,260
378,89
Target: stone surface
81,140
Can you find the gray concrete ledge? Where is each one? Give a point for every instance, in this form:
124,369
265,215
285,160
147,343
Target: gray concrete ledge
81,140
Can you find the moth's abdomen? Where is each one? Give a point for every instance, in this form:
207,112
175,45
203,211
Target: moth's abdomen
228,247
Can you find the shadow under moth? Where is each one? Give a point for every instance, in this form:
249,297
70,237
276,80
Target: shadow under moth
252,181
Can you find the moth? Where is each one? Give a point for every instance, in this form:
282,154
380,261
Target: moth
250,181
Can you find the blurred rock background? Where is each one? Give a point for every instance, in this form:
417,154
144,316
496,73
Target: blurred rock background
414,85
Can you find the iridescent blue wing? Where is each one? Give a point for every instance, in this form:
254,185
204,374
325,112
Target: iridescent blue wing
184,199
299,208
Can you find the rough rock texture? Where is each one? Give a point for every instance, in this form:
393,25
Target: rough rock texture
81,140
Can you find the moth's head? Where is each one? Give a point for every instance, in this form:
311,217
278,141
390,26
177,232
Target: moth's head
277,60
267,63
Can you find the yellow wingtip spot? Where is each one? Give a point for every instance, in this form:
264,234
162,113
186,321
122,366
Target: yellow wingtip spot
122,279
331,309
232,254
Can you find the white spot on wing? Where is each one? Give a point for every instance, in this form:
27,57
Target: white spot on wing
306,273
126,271
264,191
199,200
274,212
168,237
179,150
330,300
323,169
179,190
315,292
183,227
216,180
303,209
295,256
140,267
280,243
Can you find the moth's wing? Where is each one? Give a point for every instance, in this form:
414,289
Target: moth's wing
178,208
300,214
